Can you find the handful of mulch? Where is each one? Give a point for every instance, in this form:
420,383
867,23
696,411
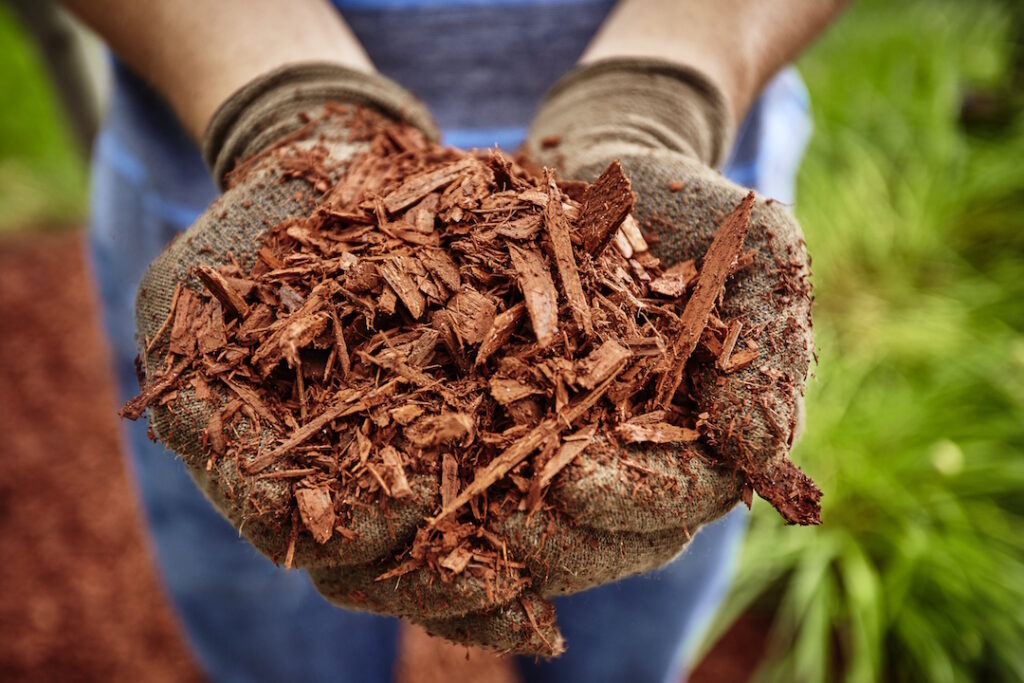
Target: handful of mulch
449,328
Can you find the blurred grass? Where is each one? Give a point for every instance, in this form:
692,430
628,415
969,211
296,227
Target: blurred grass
916,417
42,177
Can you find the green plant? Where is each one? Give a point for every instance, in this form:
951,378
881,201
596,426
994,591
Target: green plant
916,417
42,178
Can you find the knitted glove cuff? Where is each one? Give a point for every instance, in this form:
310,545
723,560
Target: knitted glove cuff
267,108
628,105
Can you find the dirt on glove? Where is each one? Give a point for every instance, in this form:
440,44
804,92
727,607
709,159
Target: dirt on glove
460,319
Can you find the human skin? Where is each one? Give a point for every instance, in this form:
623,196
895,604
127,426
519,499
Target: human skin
197,53
738,44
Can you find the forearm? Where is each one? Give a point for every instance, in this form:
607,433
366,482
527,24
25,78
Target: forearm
197,53
738,44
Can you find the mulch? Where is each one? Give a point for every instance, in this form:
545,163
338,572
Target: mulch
80,597
410,324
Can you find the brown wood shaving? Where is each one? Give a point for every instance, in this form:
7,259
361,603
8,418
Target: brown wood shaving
724,249
558,232
317,511
383,337
606,204
538,290
571,447
219,286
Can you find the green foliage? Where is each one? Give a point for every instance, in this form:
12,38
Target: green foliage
42,178
916,416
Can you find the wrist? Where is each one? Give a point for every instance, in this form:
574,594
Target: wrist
626,106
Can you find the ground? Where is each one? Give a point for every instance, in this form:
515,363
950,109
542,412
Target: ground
81,594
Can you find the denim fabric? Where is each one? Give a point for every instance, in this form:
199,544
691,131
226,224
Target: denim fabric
248,620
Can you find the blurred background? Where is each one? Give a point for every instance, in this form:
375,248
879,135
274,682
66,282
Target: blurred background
912,199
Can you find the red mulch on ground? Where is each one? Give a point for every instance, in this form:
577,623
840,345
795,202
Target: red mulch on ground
736,656
80,599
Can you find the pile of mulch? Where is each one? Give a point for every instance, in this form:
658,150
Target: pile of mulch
451,314
79,599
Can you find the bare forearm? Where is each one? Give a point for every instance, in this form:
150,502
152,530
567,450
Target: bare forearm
739,44
197,53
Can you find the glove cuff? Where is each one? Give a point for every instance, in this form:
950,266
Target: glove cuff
621,106
269,107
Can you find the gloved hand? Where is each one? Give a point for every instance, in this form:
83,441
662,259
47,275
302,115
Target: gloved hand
613,514
670,126
616,512
277,126
276,146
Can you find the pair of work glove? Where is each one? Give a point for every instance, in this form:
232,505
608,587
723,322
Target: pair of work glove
669,126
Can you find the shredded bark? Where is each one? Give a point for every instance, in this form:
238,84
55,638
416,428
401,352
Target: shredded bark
539,291
605,206
724,249
411,325
558,232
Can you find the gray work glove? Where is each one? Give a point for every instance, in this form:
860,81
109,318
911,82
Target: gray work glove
255,144
259,146
670,127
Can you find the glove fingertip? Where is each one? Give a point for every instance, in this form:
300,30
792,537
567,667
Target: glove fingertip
526,626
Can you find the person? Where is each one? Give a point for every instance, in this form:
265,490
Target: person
481,68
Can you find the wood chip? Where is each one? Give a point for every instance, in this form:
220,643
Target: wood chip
396,271
449,479
472,314
153,391
741,359
395,473
558,231
438,262
603,362
457,560
225,292
661,432
605,206
675,280
446,428
724,249
419,186
340,347
631,231
317,512
504,326
506,390
215,433
538,291
182,339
